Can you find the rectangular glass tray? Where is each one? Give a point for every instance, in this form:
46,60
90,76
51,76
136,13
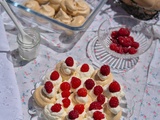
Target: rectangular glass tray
65,36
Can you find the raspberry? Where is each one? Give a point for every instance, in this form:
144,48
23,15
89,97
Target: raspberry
54,75
89,84
135,45
95,106
114,41
85,68
119,50
66,102
131,38
65,94
127,42
105,70
125,49
79,108
82,92
113,46
97,115
65,86
114,34
48,86
56,107
124,32
101,98
75,82
113,102
114,87
73,114
98,90
69,61
132,50
121,40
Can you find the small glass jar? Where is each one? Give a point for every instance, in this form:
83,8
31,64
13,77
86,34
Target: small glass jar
29,49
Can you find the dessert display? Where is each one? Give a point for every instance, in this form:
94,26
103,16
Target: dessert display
70,12
123,42
72,91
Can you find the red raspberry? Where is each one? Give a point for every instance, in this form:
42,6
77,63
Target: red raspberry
69,61
125,49
65,86
66,102
113,102
135,45
54,75
114,41
114,34
85,68
132,50
89,84
48,86
79,108
121,40
127,42
97,115
98,90
131,38
75,82
105,70
101,98
82,92
65,94
119,50
124,32
73,114
95,106
56,107
114,87
113,46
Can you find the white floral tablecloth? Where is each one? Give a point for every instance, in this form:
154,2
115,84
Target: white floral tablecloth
141,84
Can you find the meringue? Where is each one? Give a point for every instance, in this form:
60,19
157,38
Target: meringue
33,5
47,10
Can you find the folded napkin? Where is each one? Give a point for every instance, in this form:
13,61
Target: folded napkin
10,103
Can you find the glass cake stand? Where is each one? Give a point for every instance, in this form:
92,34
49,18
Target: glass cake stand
98,50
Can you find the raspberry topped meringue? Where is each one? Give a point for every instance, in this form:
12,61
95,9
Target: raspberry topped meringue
81,96
84,71
103,75
44,95
67,68
112,109
97,90
73,115
54,112
54,77
95,115
114,89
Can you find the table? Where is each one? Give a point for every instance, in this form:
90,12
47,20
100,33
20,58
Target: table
141,84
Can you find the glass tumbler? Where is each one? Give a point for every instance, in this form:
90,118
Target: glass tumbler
29,50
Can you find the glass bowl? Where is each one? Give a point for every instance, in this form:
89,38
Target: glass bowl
139,30
67,35
98,49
